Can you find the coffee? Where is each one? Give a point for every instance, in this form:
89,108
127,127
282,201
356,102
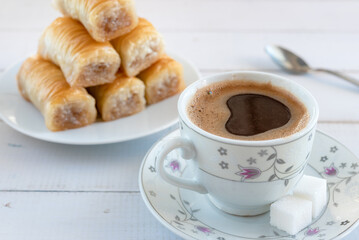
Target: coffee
240,109
253,114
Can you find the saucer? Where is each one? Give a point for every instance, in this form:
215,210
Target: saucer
192,216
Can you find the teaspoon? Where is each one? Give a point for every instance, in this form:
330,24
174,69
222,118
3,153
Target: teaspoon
292,63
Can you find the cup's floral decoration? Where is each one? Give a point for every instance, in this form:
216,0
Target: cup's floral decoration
261,164
248,173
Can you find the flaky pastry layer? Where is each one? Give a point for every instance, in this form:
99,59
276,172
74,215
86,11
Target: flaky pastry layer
83,61
43,84
104,19
139,48
162,80
123,97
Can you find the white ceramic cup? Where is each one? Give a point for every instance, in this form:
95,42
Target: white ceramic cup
222,167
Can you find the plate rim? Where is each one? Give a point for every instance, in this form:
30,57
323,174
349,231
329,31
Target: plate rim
184,235
94,141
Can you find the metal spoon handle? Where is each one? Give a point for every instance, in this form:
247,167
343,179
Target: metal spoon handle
340,75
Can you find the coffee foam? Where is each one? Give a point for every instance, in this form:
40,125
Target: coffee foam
208,110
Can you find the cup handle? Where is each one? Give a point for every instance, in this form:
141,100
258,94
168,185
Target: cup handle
188,152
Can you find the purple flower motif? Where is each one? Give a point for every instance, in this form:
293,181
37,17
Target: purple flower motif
174,165
248,173
331,170
204,229
312,232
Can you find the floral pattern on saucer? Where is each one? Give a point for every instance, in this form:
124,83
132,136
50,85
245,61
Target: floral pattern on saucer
192,216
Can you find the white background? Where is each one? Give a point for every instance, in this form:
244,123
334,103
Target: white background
53,191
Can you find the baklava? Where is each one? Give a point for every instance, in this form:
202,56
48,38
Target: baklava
139,48
123,97
103,19
162,80
42,83
83,61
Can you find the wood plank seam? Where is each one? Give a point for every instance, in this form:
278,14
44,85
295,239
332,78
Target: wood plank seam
165,30
320,121
67,191
338,122
275,70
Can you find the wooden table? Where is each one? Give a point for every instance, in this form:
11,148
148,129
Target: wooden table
53,191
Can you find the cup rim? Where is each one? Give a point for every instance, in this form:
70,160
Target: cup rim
271,142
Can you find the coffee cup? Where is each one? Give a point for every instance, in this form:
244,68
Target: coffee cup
241,176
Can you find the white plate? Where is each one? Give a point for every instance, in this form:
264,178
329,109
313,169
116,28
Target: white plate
25,118
192,216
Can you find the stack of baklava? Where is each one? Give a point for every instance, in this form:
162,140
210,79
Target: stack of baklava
99,55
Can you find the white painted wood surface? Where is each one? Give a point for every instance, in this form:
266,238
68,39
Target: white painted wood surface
53,191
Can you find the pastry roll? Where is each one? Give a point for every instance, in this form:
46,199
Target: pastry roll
42,83
83,61
140,48
123,97
103,19
162,80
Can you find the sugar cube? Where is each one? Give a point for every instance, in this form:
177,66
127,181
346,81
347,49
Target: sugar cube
313,189
291,214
